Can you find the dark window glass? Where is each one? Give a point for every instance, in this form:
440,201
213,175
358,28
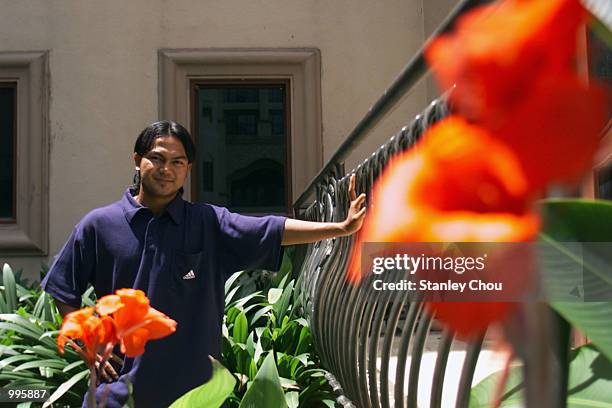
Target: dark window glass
600,63
242,143
241,95
604,183
277,119
241,122
7,159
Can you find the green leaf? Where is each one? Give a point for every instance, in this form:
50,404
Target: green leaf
590,383
10,289
261,312
292,399
230,296
274,295
230,281
285,270
580,221
239,303
288,384
65,387
280,308
483,394
241,326
250,344
73,365
211,394
266,388
41,363
14,359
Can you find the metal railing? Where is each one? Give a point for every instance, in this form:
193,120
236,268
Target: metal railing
359,332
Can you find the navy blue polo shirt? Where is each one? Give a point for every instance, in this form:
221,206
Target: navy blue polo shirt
180,259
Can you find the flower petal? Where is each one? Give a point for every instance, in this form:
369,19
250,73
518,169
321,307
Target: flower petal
108,304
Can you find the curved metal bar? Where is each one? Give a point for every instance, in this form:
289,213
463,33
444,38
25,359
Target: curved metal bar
440,369
467,374
415,362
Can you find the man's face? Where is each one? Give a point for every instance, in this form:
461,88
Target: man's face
163,169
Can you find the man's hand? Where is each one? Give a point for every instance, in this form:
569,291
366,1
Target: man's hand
304,232
108,374
356,214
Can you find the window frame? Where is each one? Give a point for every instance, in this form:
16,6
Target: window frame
12,220
29,233
300,66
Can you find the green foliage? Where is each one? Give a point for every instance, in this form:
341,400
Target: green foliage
266,387
29,323
590,383
213,393
580,221
263,327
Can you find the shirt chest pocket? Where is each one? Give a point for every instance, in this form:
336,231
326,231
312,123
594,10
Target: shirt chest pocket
187,273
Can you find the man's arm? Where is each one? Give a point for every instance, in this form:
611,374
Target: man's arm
304,232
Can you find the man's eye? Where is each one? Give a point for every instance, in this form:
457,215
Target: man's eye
179,163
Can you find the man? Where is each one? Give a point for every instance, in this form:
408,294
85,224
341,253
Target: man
179,253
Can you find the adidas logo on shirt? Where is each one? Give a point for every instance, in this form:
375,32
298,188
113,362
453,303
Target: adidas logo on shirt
190,275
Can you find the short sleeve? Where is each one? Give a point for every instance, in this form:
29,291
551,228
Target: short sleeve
72,270
250,242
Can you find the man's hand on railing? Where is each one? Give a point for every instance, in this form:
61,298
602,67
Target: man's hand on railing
356,213
304,232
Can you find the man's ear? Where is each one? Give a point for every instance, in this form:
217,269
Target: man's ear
137,159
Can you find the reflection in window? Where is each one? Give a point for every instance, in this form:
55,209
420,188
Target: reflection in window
241,122
7,159
242,136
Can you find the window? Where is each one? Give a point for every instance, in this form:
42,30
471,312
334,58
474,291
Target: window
7,151
603,182
243,145
256,117
24,91
600,69
599,62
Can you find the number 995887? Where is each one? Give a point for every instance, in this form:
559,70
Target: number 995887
24,394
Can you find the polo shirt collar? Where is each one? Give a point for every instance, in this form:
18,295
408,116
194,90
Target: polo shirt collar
131,207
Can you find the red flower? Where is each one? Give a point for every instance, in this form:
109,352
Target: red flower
555,131
95,333
136,322
459,184
499,51
513,64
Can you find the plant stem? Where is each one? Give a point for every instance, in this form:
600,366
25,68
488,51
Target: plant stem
91,399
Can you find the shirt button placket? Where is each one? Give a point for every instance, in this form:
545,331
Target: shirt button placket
150,241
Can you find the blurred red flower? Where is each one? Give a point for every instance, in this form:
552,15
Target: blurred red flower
514,70
499,51
459,184
135,321
95,333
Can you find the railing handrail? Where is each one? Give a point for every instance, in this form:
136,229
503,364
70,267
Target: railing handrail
409,76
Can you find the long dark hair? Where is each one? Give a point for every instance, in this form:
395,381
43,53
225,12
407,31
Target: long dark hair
163,128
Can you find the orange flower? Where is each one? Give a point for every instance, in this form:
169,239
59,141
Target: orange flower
135,320
499,51
555,131
95,333
459,184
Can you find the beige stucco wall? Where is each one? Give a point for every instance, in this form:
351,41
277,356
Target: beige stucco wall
103,65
